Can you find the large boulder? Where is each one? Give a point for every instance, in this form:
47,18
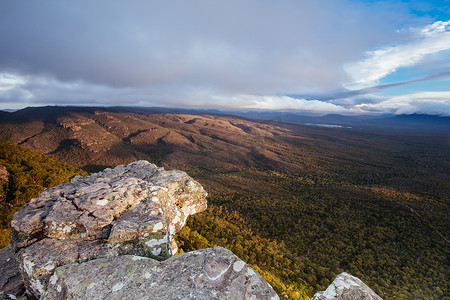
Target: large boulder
346,287
213,273
134,209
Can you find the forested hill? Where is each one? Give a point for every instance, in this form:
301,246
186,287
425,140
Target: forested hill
24,173
299,203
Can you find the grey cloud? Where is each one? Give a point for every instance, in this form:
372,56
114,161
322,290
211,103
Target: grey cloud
228,46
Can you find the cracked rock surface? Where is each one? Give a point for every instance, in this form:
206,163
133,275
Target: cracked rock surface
346,287
134,209
212,273
11,283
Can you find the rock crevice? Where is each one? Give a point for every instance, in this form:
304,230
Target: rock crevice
212,273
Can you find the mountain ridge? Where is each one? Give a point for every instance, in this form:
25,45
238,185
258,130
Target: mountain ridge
409,123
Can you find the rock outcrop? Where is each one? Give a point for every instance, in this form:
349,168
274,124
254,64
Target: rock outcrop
11,283
110,236
347,287
213,273
134,209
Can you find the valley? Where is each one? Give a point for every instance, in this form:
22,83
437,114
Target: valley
298,203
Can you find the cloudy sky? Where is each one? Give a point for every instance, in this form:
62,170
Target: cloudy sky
342,56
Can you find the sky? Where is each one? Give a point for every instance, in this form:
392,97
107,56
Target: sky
322,56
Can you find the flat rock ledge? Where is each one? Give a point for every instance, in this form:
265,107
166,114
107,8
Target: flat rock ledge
129,210
346,287
212,273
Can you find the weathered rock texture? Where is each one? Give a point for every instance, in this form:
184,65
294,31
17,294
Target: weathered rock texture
347,287
213,273
11,283
134,209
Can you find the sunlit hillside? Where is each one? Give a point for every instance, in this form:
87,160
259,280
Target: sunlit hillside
24,174
299,203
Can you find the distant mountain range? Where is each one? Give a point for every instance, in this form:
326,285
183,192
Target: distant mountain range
388,123
411,124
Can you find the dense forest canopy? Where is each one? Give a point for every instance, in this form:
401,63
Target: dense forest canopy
26,173
300,204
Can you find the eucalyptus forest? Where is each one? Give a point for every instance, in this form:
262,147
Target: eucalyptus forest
300,204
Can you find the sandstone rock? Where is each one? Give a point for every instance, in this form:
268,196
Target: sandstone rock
347,287
11,283
134,209
213,273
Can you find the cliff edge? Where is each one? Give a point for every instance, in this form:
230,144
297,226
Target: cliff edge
110,235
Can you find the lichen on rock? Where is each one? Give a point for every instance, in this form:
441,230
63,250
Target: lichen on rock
134,209
212,273
346,287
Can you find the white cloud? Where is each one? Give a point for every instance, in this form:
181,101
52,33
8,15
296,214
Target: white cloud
20,91
382,62
280,103
10,81
32,89
433,103
435,28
